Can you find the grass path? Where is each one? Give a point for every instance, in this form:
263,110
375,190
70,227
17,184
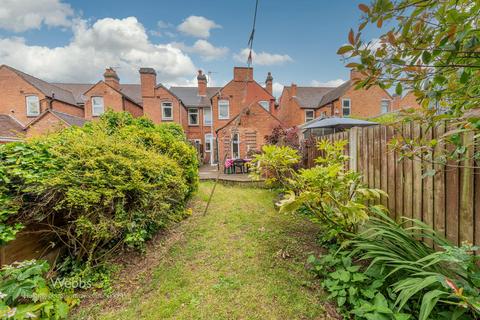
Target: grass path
243,260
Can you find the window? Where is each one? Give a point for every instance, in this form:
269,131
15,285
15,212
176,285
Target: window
167,111
97,106
207,116
346,106
385,106
193,117
235,146
309,115
33,106
208,142
223,109
265,104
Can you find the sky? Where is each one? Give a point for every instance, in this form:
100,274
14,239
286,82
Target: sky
74,40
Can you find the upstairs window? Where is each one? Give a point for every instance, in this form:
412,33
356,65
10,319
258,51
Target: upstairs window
309,115
346,107
385,106
193,117
207,116
33,106
265,104
97,106
223,109
167,111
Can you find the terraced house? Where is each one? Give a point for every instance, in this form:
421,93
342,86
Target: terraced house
298,105
228,121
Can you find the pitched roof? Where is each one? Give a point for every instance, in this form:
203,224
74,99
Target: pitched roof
190,97
66,118
9,128
309,97
46,88
71,120
335,93
133,91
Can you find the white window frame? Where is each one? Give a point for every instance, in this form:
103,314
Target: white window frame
307,118
349,107
207,121
389,106
265,103
224,102
190,111
27,104
96,113
167,105
238,144
209,139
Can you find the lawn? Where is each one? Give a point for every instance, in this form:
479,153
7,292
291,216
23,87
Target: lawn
243,260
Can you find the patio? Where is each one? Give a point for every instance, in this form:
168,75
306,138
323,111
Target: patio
209,172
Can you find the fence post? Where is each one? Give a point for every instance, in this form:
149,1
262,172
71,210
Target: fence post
353,142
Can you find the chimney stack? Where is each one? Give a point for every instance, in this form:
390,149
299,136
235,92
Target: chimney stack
293,90
111,78
148,81
269,83
202,84
242,74
356,75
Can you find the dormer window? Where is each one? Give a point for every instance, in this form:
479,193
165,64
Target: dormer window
97,106
33,106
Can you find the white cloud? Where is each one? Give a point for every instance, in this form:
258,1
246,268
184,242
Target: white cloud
329,83
204,49
22,15
198,26
277,89
121,43
262,58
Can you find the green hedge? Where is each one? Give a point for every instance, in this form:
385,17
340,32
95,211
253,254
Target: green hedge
112,183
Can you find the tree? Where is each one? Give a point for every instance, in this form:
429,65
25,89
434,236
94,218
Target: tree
433,50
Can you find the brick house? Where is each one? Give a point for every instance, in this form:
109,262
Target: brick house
298,105
30,106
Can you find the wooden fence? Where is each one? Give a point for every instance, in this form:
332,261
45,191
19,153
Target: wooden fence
448,201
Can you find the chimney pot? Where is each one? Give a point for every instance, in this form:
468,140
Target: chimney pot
202,83
111,78
269,83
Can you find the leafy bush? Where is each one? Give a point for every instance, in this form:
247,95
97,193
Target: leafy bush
25,293
284,137
277,165
114,182
329,194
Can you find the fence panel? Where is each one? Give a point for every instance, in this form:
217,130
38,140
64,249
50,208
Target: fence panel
448,201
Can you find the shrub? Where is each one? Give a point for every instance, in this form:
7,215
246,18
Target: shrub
329,194
277,165
111,184
284,137
25,293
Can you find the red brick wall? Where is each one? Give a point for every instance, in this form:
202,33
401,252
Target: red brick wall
408,101
133,108
152,106
252,128
68,108
47,124
289,110
364,103
112,99
13,90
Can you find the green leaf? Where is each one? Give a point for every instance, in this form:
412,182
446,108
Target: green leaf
429,301
399,89
345,49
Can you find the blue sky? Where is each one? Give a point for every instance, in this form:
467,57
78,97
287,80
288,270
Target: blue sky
73,41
